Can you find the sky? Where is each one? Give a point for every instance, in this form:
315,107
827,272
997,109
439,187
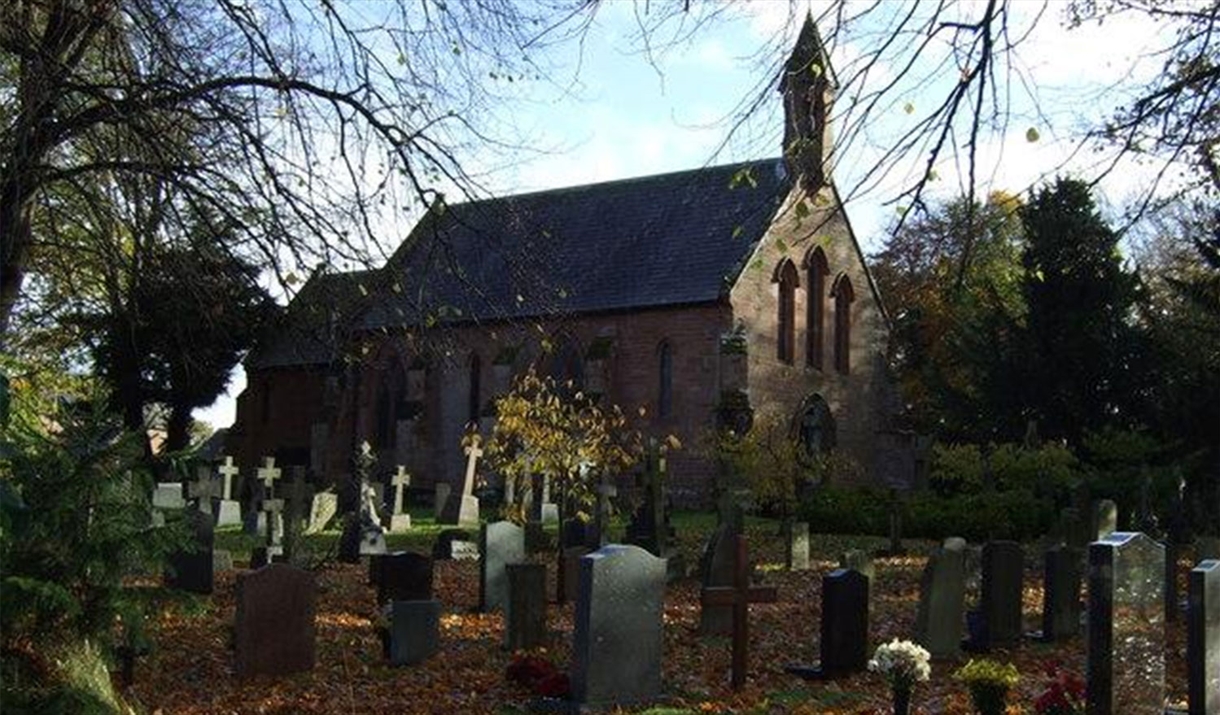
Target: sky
610,110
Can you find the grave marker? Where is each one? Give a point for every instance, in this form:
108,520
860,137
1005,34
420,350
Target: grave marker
500,543
942,600
797,555
844,630
1000,610
414,632
400,521
274,629
402,576
1203,639
230,509
739,596
525,607
1061,577
464,509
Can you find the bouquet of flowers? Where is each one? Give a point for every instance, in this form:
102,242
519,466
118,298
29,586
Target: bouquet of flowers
989,683
903,664
1064,694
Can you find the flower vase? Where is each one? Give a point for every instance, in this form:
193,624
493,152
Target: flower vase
902,701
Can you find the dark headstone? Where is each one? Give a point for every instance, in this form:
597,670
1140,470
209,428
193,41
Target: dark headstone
844,632
274,630
1061,577
414,631
1203,639
1126,644
192,571
525,610
1003,572
500,543
942,601
404,576
619,632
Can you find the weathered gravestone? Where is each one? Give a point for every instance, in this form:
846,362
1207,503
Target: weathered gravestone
463,509
738,597
222,560
500,543
942,600
274,630
454,544
202,489
400,521
1126,626
1203,639
619,632
859,560
1061,577
525,607
999,615
229,512
321,511
1105,519
797,554
844,631
414,631
403,576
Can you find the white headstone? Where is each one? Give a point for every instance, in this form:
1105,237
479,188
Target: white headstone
400,521
267,474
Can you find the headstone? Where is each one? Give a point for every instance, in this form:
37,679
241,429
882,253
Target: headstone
192,570
403,576
372,535
739,596
798,547
500,543
438,503
569,585
548,511
400,521
859,560
414,632
525,607
844,633
1105,519
1061,577
718,572
1203,639
618,632
1126,626
942,601
222,560
323,508
1075,529
229,513
202,489
452,542
1000,608
274,628
463,509
168,495
268,474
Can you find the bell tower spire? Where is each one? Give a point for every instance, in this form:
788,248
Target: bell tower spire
808,86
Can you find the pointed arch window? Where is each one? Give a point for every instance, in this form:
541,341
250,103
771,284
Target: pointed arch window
476,371
665,392
844,295
786,276
815,321
390,395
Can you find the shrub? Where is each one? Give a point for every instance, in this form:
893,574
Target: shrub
1016,514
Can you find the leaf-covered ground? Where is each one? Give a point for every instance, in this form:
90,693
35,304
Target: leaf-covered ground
190,668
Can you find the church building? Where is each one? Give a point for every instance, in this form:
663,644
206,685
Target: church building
689,299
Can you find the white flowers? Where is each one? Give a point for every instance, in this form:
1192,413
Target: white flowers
903,663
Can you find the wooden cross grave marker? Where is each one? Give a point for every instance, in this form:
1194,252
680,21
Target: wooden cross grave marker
740,595
228,470
267,474
400,480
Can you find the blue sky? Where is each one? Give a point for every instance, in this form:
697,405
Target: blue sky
608,112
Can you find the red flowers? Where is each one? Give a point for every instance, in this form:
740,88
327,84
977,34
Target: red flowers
539,675
1064,694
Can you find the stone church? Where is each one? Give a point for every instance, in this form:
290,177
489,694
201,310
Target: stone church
689,299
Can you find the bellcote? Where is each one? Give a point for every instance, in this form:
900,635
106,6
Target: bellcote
808,86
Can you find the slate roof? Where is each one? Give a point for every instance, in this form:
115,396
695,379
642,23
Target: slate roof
315,322
663,240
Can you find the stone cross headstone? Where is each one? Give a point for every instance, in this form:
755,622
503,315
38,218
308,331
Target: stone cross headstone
618,633
844,632
1126,626
230,509
525,607
1000,609
1203,639
202,489
414,632
797,555
942,600
268,474
739,596
1105,519
463,509
274,632
403,576
1061,577
400,521
500,543
323,508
